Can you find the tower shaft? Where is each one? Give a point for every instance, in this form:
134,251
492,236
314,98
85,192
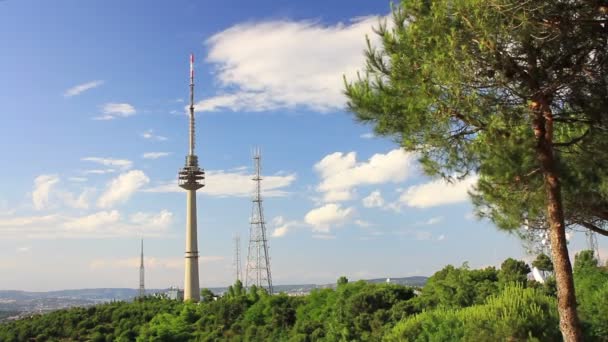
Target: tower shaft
191,280
258,259
191,178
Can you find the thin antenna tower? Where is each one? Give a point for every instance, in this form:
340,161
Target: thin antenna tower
258,260
237,257
142,289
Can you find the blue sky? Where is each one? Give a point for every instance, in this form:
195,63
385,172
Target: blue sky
94,129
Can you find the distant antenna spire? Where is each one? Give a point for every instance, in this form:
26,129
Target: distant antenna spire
142,290
191,151
237,256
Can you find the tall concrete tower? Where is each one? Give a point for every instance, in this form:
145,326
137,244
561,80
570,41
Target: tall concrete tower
142,288
191,178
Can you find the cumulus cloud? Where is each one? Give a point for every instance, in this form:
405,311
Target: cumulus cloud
154,155
150,135
374,200
322,219
43,185
282,227
222,183
437,193
341,173
93,221
78,202
112,111
77,90
102,224
120,163
98,171
121,188
255,64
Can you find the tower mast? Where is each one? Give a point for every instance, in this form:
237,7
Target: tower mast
142,290
258,260
237,257
191,178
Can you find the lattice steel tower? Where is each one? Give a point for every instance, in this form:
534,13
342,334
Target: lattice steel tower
592,244
191,178
258,260
142,289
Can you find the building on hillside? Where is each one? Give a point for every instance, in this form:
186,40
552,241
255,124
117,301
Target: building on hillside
175,293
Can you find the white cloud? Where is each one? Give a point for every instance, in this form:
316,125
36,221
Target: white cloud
441,237
433,220
258,59
99,172
43,185
149,134
79,202
93,221
121,188
77,90
155,155
24,249
323,218
46,192
221,183
112,111
120,163
102,224
78,179
374,200
436,193
341,172
363,224
282,227
366,135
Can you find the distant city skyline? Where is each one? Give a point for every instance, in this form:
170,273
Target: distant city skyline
94,128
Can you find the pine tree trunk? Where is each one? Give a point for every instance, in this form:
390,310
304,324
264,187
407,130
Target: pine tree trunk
566,297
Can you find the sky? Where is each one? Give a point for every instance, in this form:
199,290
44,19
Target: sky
94,129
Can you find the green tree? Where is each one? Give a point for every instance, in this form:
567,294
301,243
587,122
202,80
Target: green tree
543,263
207,295
513,271
342,281
511,92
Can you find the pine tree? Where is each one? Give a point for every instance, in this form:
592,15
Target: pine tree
513,92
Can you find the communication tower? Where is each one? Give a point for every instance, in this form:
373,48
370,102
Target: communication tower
191,178
258,260
142,289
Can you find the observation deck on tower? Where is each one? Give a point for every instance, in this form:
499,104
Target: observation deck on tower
191,177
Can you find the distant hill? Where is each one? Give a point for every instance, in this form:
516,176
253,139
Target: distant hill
25,301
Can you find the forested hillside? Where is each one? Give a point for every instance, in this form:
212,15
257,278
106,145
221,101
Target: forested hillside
457,303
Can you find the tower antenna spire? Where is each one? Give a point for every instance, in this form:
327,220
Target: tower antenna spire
191,178
191,131
142,289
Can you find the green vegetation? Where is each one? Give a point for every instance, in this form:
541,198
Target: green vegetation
457,303
512,93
